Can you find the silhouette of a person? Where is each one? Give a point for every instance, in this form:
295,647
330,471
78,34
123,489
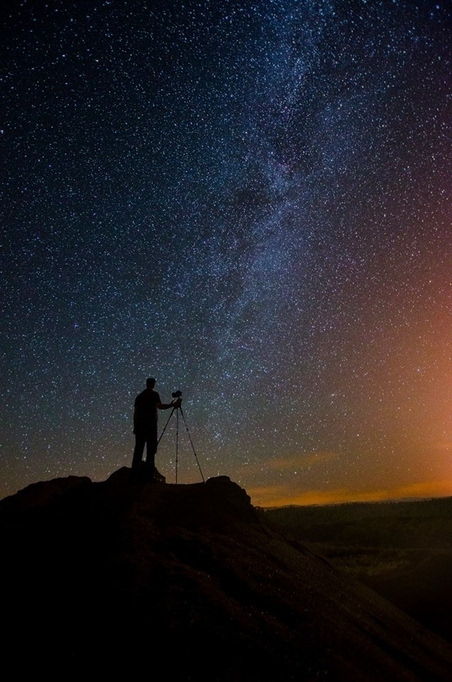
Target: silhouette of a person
145,424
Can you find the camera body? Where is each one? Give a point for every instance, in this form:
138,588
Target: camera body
177,394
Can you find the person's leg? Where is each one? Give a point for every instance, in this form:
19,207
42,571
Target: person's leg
138,452
151,448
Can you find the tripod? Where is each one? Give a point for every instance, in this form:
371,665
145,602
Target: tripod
177,410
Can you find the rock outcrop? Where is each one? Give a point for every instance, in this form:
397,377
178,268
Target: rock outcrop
187,582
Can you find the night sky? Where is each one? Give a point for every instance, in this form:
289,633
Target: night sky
250,201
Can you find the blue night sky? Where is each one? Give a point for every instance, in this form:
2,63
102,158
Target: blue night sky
249,201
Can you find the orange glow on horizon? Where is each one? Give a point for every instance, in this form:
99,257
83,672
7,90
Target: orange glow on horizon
278,496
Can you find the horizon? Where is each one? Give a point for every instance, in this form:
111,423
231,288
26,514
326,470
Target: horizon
400,500
336,502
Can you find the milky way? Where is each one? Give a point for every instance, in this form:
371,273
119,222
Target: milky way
250,201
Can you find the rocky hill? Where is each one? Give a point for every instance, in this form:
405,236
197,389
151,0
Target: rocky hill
187,582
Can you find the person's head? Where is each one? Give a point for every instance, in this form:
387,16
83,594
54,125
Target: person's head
150,383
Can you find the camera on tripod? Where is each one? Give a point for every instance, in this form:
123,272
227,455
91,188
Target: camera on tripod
177,408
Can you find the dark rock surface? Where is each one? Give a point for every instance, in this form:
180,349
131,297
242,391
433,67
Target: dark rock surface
187,582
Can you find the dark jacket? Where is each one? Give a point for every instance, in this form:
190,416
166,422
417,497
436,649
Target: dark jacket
145,412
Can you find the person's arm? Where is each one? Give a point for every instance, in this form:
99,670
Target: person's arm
166,406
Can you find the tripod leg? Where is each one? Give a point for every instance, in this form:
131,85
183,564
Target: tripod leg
192,446
161,435
177,441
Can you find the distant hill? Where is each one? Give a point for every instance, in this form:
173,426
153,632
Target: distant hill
187,582
403,550
414,523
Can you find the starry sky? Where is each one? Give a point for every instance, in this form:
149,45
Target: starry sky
250,201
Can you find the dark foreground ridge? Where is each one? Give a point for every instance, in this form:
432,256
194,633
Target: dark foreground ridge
187,582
